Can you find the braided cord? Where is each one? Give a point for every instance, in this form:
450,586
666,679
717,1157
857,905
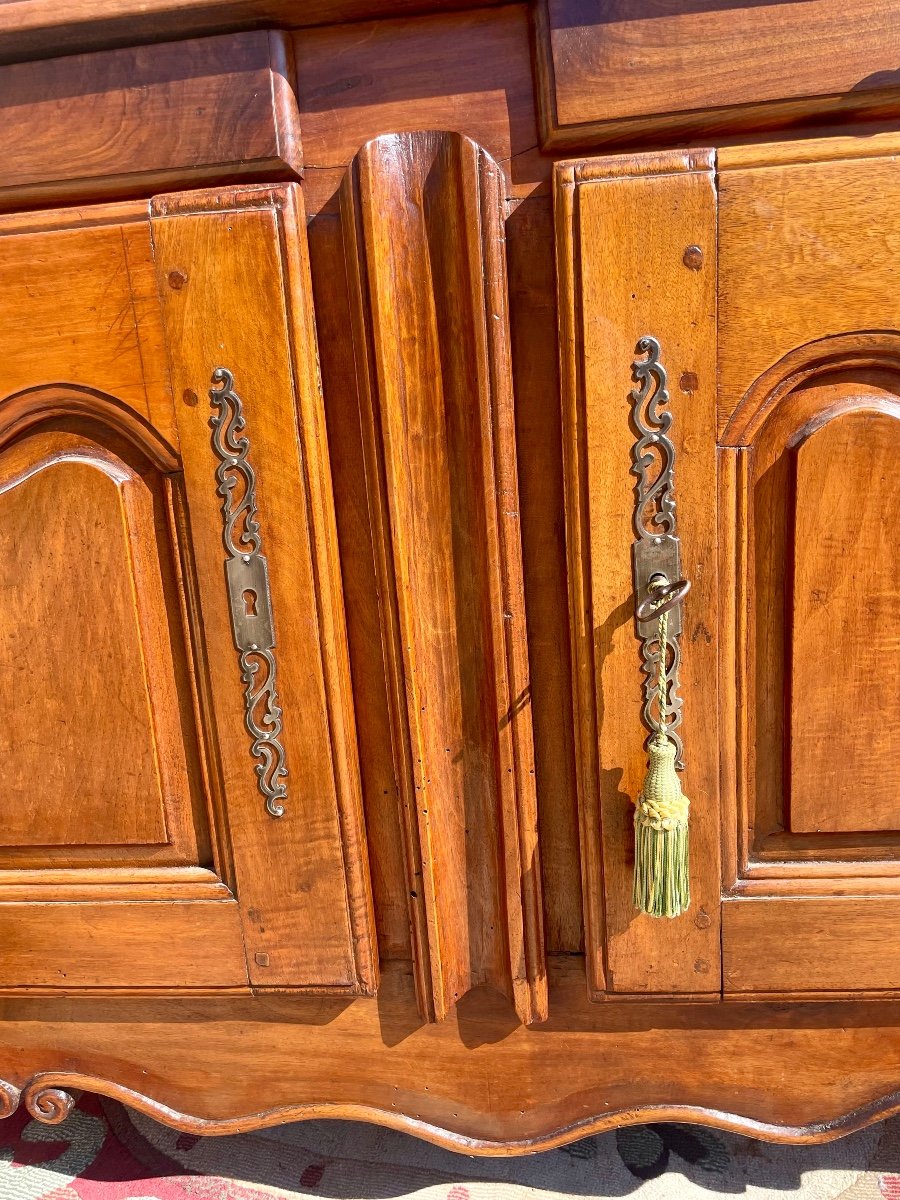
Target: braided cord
662,804
663,686
662,884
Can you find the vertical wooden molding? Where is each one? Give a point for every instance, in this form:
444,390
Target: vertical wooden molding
581,633
425,253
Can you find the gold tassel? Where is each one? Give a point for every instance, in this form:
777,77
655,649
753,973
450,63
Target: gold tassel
662,885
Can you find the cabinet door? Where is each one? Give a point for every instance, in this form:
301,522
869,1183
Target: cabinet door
809,416
622,276
144,739
768,286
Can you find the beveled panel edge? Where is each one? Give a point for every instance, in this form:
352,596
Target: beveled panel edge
808,150
784,119
627,166
578,571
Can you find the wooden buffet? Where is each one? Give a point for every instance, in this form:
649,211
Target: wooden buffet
325,331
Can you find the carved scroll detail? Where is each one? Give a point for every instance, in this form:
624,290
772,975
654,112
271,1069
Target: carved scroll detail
45,1103
247,577
654,522
49,1105
9,1099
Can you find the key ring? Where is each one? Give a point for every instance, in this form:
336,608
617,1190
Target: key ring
665,596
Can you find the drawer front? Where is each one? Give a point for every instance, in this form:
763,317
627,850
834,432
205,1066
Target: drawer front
133,121
630,70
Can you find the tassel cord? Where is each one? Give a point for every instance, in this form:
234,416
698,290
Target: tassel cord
661,874
663,684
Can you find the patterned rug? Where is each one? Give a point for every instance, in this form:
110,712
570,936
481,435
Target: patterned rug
105,1152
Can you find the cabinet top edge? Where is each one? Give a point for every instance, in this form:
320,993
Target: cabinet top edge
42,29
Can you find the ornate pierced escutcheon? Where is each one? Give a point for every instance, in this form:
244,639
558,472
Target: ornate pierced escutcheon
656,551
247,580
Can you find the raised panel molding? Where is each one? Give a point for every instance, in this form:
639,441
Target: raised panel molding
423,216
805,479
131,120
103,721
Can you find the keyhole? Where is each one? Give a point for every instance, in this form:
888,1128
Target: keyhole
250,603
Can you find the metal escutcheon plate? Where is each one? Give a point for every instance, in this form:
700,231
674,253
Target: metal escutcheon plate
251,607
660,556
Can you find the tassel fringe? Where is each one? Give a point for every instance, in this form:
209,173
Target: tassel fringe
662,886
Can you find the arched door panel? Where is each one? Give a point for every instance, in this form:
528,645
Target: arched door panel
844,771
820,590
107,873
93,747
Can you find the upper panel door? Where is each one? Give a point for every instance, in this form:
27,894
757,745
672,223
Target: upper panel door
179,781
771,297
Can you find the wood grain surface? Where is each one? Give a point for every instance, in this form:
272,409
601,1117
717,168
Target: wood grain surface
474,1083
119,945
770,689
823,267
42,29
341,399
808,384
814,943
633,70
424,232
468,73
220,256
458,838
95,511
81,307
845,775
132,121
623,274
142,744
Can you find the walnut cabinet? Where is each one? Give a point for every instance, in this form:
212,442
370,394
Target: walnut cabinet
326,470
